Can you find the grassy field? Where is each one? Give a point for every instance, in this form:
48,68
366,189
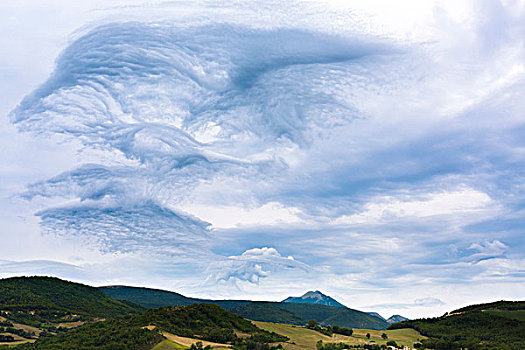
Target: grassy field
187,342
514,314
169,345
15,343
303,338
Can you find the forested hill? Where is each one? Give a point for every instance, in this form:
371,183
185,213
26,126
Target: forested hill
499,325
291,313
498,305
145,331
32,300
148,297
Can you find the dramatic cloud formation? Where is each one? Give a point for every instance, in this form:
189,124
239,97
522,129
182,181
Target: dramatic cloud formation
274,148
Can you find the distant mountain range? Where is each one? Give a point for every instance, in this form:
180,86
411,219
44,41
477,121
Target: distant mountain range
396,318
391,320
279,312
314,298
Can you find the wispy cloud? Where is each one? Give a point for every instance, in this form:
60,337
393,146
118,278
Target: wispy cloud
376,160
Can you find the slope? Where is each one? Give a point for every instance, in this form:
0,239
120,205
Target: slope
482,326
291,313
314,298
144,331
37,300
396,318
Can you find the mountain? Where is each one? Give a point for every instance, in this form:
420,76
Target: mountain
334,315
40,300
375,314
314,298
498,325
279,312
145,331
396,318
148,297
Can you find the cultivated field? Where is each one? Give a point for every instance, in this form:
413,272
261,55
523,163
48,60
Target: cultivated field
303,338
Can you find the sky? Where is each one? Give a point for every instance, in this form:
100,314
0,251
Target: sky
244,149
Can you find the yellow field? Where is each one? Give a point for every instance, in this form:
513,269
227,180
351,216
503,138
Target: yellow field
303,338
168,345
186,342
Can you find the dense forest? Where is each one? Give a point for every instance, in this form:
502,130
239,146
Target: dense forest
38,300
472,329
201,321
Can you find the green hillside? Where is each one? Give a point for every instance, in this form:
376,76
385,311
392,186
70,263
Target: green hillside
477,327
498,305
291,313
147,297
37,300
265,311
335,315
144,331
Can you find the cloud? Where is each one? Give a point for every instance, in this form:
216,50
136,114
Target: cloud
463,201
378,160
42,268
423,302
272,213
253,265
485,250
136,228
164,109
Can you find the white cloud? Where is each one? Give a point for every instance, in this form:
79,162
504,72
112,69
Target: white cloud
253,265
451,203
271,213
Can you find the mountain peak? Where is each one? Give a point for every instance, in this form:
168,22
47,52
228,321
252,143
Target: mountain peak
396,318
314,297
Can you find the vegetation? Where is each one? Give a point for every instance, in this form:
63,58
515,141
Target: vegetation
328,330
147,297
302,338
199,321
470,328
334,315
106,335
290,313
39,300
498,305
264,311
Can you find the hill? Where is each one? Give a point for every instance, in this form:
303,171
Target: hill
145,331
280,312
314,298
485,326
302,338
38,300
148,297
375,314
335,315
396,318
498,305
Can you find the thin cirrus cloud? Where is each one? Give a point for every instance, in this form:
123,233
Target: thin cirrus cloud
227,146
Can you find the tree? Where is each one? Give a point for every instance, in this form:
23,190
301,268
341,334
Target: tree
367,335
391,343
312,324
319,345
384,336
